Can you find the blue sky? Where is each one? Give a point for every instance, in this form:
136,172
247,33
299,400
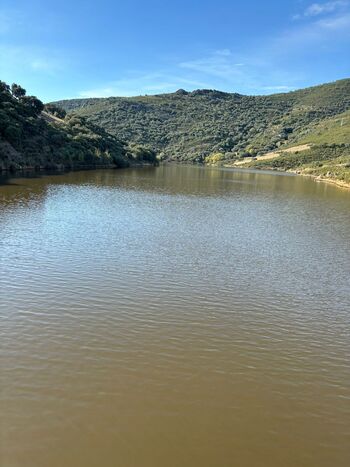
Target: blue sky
65,49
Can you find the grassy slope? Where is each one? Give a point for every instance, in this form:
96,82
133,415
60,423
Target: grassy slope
331,130
328,156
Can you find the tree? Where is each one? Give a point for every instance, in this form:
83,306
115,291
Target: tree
4,87
55,110
141,153
17,91
33,104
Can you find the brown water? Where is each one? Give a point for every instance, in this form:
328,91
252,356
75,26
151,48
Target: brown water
174,316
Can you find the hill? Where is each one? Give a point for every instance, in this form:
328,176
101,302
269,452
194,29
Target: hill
189,126
324,152
36,136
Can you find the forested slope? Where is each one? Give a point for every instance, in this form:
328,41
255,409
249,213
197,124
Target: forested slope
37,136
188,126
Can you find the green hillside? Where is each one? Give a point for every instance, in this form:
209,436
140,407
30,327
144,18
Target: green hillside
328,155
38,136
188,126
200,126
334,130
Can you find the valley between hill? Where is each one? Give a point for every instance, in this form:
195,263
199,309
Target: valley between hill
217,128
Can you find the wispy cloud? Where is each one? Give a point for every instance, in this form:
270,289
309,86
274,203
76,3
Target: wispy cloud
27,58
254,74
18,55
278,88
152,83
338,23
5,22
13,20
4,26
223,52
220,63
190,74
262,69
327,30
318,9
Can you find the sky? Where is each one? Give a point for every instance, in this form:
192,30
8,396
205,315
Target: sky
82,48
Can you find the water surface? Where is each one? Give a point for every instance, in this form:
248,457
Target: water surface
174,316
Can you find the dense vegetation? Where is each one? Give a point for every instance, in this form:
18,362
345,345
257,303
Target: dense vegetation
201,126
189,126
34,135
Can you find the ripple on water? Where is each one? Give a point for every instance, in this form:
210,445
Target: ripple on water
174,316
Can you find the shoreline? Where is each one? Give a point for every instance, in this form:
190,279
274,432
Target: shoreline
316,178
319,178
63,168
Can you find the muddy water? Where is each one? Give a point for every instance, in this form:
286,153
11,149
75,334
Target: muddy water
174,316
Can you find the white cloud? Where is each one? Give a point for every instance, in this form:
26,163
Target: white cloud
327,8
217,64
18,59
223,52
261,69
278,88
11,20
44,64
152,83
338,23
5,22
304,37
320,8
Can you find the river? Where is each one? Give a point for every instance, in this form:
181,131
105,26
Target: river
174,316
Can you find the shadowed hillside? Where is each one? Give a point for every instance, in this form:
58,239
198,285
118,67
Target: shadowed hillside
33,137
36,136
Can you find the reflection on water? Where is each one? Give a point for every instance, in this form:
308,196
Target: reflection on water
174,316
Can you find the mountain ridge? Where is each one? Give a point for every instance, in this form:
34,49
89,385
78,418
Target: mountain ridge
199,91
189,126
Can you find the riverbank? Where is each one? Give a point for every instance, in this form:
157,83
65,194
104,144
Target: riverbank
319,178
323,163
67,168
316,178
